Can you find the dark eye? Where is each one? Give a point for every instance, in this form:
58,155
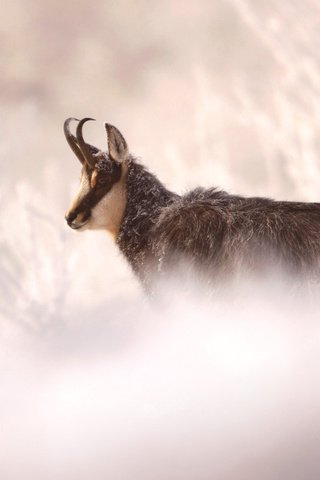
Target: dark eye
102,180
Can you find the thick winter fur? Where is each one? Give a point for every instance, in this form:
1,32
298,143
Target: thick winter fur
217,235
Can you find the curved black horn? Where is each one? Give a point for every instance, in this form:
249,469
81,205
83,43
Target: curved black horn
82,144
71,139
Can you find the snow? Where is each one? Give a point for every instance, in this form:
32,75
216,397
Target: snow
94,381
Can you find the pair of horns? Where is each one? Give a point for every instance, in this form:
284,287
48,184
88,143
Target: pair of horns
77,143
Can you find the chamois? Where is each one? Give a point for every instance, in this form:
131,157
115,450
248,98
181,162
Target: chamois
213,232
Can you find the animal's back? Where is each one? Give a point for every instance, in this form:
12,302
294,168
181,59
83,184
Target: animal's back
220,234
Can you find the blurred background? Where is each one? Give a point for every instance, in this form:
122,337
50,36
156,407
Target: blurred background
220,93
213,92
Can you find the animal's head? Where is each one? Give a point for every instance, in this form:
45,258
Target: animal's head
101,200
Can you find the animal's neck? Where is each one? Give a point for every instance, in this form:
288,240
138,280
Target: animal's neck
146,196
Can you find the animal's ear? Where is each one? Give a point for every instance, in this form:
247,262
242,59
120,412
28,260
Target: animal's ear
117,146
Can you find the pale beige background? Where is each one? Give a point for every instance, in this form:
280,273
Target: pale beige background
212,92
221,93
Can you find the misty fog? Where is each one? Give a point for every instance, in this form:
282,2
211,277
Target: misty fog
96,382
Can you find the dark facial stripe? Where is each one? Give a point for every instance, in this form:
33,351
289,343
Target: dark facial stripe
103,186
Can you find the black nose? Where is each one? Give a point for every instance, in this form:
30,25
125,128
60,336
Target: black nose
70,217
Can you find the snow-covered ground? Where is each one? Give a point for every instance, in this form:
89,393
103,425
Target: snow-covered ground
228,390
94,382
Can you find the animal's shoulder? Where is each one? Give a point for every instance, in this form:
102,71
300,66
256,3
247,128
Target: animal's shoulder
191,215
200,205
